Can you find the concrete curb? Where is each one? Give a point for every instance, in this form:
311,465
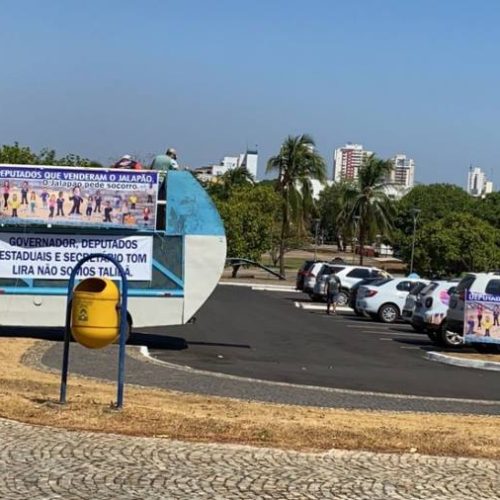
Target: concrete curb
463,362
263,287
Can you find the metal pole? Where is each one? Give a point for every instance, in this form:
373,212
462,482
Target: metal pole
123,339
316,238
123,327
67,337
415,213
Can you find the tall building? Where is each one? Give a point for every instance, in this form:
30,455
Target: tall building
403,173
347,160
477,182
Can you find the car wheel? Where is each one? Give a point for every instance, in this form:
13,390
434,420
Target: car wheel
448,338
342,298
388,313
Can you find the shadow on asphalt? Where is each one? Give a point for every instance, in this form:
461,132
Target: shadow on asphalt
152,341
41,333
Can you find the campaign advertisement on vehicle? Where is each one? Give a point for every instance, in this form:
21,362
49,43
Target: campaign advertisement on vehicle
78,196
53,256
482,318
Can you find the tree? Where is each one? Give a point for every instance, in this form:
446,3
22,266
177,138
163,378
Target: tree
296,164
434,201
330,205
367,210
234,178
22,155
488,209
454,244
16,154
249,217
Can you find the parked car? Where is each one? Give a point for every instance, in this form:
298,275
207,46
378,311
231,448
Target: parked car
354,292
302,272
431,308
349,275
310,276
451,333
411,301
384,300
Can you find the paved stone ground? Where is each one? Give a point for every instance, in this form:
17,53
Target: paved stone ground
43,463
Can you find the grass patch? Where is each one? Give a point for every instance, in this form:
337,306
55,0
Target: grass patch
30,395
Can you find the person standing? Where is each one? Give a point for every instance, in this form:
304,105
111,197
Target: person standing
487,324
14,204
6,193
332,292
496,312
24,193
479,315
98,201
52,205
60,204
166,162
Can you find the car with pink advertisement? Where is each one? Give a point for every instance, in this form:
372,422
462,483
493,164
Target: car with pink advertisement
431,307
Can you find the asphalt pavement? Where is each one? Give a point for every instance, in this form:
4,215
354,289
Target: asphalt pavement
263,335
259,345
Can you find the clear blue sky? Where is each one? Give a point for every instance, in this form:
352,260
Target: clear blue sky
102,78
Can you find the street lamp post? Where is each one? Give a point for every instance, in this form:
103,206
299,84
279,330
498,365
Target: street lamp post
316,227
414,212
355,238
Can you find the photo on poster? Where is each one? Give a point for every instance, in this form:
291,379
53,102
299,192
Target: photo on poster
78,196
482,318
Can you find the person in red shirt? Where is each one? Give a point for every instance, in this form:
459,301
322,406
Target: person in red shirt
126,161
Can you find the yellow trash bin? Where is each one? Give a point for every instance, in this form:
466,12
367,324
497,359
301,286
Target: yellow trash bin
95,318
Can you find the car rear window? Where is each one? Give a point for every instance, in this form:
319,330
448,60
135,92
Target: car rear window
359,272
417,288
429,288
381,282
331,269
493,287
307,265
466,283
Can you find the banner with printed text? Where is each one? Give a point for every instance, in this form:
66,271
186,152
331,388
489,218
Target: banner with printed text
78,196
482,318
53,256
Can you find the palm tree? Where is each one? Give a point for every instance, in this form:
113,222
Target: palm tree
367,208
296,163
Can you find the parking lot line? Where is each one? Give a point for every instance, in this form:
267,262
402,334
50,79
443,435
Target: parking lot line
397,334
364,324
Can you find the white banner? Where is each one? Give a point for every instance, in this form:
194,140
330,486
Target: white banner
53,256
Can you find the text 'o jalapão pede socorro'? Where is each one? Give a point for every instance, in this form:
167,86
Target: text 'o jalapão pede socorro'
169,240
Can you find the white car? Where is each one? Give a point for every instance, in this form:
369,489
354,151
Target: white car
310,276
349,275
431,307
453,327
411,301
385,300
